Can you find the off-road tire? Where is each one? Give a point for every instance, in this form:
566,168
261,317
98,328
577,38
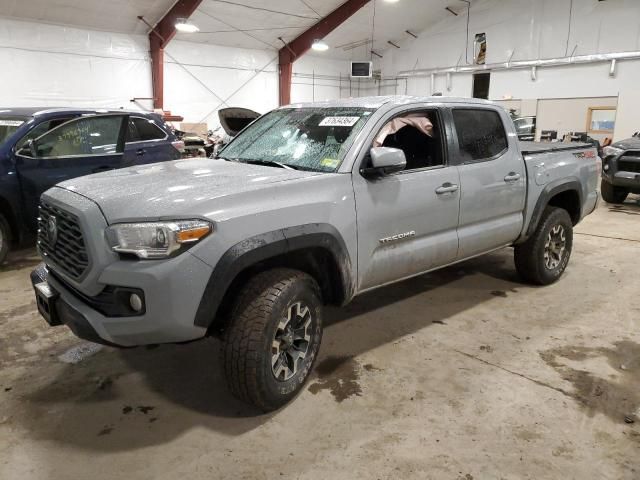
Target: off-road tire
248,350
613,194
530,256
5,238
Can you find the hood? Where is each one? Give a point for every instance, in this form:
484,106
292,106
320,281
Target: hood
235,119
174,189
628,143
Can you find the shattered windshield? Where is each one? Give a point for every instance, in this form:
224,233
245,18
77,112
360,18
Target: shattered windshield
314,139
8,126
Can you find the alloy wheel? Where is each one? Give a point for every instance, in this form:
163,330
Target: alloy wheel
291,342
555,247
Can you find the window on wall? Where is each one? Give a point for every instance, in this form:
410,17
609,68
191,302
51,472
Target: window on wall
601,119
480,49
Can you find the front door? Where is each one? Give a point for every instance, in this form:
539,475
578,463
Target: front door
492,180
80,147
407,221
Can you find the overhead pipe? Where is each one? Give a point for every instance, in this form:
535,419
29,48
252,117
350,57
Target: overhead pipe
520,64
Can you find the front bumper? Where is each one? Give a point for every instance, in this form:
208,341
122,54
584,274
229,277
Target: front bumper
630,180
172,292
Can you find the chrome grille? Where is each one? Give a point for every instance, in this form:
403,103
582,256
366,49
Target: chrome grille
64,244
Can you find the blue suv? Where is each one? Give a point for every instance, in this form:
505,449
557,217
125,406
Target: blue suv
40,147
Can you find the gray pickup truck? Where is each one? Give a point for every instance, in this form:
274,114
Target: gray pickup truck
311,204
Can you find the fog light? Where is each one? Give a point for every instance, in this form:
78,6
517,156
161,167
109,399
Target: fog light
136,302
606,168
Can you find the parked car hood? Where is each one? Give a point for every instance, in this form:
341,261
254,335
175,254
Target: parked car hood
234,119
180,187
628,143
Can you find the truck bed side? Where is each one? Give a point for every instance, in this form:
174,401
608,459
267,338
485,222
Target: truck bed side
562,175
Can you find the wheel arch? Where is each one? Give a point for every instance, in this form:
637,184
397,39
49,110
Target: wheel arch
316,249
567,195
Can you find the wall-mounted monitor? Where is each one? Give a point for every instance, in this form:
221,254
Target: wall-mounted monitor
361,69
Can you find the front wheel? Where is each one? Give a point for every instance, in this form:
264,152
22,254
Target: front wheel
613,194
273,338
542,259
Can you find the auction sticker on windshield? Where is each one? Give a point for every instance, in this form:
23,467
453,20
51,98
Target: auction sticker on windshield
10,123
339,121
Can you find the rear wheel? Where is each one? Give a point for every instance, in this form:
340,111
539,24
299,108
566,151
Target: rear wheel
274,337
5,238
544,256
612,194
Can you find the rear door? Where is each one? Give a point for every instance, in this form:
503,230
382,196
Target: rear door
492,179
146,142
79,147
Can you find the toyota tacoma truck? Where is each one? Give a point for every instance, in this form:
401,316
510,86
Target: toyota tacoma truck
621,170
311,204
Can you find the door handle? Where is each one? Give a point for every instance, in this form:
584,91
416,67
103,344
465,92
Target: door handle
103,168
512,177
447,188
140,152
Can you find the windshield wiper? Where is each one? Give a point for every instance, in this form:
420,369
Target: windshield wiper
269,163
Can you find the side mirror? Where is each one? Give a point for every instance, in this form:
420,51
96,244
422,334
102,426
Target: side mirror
385,161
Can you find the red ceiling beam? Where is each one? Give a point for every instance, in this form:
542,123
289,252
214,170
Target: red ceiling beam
159,38
298,47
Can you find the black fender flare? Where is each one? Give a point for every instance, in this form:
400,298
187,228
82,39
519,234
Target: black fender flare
267,245
550,191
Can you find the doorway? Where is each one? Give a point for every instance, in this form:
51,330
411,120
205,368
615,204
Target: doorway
481,82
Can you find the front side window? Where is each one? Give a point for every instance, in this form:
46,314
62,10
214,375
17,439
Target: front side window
41,129
418,135
314,139
481,134
8,126
83,137
143,130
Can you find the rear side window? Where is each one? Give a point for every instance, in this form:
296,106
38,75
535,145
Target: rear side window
143,130
481,134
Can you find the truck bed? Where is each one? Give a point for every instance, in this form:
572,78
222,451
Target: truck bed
536,148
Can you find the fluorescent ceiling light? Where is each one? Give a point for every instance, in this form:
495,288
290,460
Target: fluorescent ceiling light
184,25
319,46
392,1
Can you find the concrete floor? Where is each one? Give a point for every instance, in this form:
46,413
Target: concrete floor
461,374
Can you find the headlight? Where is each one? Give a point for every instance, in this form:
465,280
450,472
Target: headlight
156,239
612,151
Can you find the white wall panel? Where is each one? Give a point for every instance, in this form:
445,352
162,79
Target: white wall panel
527,30
200,79
49,65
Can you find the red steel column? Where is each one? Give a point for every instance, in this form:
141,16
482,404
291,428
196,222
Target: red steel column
159,38
298,47
157,71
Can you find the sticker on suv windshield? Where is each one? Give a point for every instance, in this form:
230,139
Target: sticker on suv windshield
339,121
10,123
330,162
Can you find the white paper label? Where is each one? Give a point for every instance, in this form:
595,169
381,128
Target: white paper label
10,123
339,121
